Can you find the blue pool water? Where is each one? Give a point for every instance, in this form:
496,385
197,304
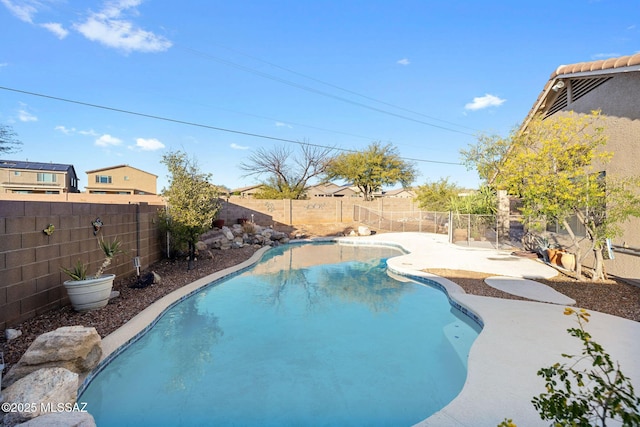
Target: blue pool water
315,334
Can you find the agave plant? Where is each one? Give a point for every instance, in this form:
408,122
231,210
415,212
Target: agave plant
110,250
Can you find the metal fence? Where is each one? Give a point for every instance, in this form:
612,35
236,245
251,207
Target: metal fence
489,231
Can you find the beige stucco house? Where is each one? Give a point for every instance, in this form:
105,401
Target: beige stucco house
613,87
121,179
329,189
37,178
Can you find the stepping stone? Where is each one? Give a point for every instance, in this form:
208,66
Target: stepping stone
528,289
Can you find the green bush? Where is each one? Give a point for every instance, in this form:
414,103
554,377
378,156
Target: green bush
587,396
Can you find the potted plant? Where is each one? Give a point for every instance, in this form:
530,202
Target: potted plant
91,293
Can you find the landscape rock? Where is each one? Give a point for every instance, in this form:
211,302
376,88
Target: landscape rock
40,390
227,233
12,334
363,230
62,419
75,348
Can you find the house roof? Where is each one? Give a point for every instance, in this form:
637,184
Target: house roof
117,167
53,167
601,67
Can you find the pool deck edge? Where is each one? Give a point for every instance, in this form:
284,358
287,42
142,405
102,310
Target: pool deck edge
518,337
138,325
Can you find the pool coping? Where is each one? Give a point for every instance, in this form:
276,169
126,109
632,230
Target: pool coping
120,339
492,370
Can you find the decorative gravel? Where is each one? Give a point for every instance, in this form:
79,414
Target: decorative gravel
612,297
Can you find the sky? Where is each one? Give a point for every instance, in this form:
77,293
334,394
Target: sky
103,83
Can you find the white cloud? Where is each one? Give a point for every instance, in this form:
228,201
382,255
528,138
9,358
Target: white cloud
25,116
108,27
281,125
65,130
4,64
73,131
149,144
107,140
403,61
238,147
23,11
56,29
484,102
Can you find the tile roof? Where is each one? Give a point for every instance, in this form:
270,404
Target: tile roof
592,68
600,65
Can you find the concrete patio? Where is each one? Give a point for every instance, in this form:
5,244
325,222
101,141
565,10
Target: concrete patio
518,338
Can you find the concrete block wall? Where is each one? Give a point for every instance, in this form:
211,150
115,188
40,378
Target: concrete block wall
318,210
30,260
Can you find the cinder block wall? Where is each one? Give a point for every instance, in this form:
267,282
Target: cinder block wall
318,210
30,260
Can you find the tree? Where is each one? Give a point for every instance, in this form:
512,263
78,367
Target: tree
372,168
287,175
554,167
192,201
9,142
437,195
486,155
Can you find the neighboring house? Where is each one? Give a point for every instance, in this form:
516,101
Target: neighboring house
330,189
121,179
400,193
247,192
37,178
613,87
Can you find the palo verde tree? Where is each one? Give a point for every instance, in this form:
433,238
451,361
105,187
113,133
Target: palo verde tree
555,166
369,170
486,155
192,201
286,172
437,195
9,142
443,195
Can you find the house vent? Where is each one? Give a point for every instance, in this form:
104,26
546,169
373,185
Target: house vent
559,104
579,88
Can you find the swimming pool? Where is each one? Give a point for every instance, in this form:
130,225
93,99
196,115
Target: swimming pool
314,334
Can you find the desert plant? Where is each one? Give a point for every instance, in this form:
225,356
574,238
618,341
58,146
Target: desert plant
578,396
109,248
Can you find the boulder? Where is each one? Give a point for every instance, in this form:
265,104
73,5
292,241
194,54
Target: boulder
363,230
62,419
227,233
75,348
41,390
12,334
